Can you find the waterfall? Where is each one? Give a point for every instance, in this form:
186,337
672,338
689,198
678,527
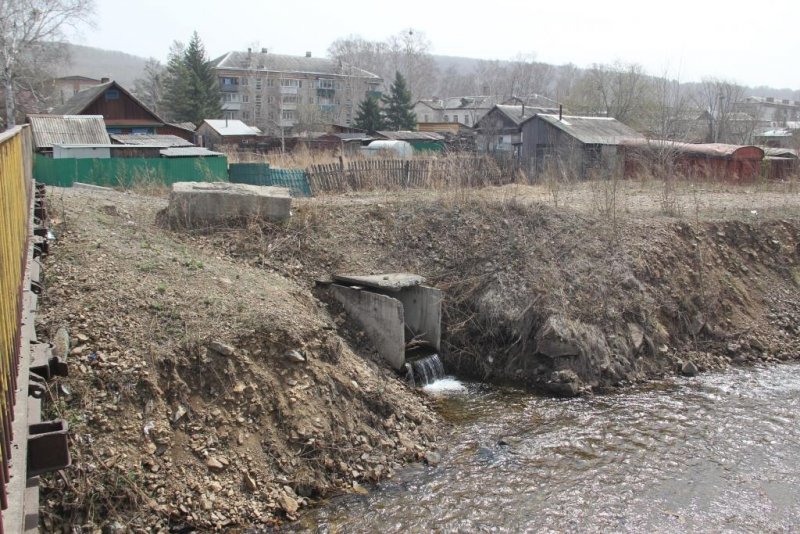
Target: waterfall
427,370
410,375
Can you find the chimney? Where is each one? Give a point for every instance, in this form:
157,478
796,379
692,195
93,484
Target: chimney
308,54
264,50
105,80
560,111
249,50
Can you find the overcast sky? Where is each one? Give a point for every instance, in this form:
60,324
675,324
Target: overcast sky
754,43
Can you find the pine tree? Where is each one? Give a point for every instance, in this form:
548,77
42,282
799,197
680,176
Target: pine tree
398,108
369,115
191,92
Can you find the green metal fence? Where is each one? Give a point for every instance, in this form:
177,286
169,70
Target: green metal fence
262,174
126,172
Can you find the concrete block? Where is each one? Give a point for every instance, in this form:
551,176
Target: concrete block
201,204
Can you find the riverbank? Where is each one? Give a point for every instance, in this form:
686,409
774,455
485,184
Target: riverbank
215,385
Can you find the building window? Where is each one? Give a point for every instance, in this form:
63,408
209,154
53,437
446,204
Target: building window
270,99
290,99
426,117
258,84
229,82
258,99
290,82
245,115
466,120
245,98
245,81
447,118
112,94
288,114
271,115
326,84
269,82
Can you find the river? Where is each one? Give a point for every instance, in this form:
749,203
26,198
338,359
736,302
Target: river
716,453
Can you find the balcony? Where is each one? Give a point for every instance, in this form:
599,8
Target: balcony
288,90
286,123
289,105
231,106
327,108
374,94
325,93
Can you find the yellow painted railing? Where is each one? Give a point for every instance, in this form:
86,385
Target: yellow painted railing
15,214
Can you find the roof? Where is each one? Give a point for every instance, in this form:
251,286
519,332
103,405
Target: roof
231,127
779,132
162,140
79,78
771,152
592,130
81,100
49,130
268,62
411,136
459,102
188,126
519,114
353,136
187,151
714,150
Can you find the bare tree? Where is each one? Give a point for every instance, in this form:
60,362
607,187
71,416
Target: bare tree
26,25
149,88
719,100
619,90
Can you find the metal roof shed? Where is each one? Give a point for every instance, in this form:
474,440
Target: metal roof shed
50,130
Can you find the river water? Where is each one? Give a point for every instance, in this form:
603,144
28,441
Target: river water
715,453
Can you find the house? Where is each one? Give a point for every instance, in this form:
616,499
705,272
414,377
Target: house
466,110
572,145
68,86
715,161
345,143
122,112
283,94
776,138
774,111
51,130
499,131
231,133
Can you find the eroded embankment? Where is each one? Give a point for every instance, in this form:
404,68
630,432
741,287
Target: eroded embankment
559,300
203,393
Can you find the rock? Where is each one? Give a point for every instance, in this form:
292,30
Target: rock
433,458
508,441
564,383
295,356
179,412
249,483
288,504
115,527
555,338
213,463
689,369
83,338
358,488
221,348
636,334
61,344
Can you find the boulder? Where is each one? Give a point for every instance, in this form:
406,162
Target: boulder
204,204
689,369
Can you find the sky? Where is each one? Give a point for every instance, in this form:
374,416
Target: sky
753,43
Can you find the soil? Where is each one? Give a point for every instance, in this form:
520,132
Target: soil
187,407
204,393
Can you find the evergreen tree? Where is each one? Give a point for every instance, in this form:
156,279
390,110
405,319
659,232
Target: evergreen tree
191,92
369,115
398,108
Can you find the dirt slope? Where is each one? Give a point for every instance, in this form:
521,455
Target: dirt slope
204,393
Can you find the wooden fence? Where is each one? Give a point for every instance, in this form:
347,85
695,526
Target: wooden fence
388,175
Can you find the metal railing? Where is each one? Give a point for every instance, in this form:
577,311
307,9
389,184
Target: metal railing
15,204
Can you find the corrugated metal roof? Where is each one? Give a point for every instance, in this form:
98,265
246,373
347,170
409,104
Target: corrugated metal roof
460,102
715,150
411,136
162,140
49,130
188,151
184,125
592,130
232,127
267,62
779,152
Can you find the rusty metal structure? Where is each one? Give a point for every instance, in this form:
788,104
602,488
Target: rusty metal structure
28,446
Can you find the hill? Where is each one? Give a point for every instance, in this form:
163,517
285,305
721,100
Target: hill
98,63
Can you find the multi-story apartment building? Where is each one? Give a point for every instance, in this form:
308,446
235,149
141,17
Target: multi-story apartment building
286,95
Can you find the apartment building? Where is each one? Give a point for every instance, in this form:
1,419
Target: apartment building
287,95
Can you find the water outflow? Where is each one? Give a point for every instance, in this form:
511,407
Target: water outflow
426,370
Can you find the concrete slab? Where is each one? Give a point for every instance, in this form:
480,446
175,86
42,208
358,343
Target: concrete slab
380,316
194,204
388,281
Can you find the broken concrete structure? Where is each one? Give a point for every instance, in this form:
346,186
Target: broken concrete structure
210,204
393,309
